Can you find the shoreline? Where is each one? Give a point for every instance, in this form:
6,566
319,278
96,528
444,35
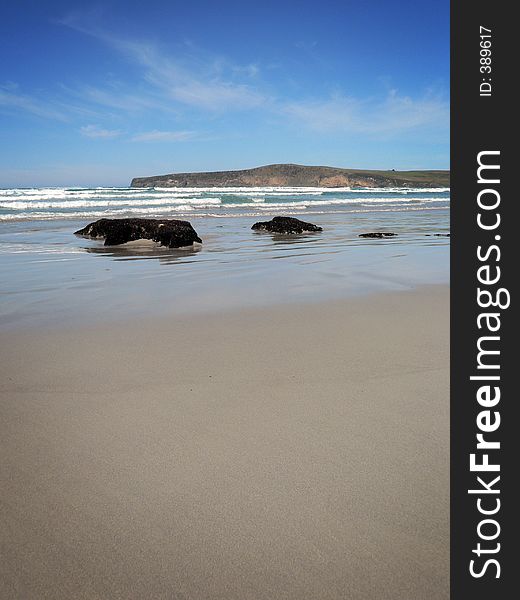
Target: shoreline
296,451
54,277
198,216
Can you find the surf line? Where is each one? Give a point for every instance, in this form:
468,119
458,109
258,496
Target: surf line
491,301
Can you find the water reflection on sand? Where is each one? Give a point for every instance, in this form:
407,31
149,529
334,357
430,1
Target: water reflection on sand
50,273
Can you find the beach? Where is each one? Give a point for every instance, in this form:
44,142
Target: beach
258,416
284,452
225,248
54,278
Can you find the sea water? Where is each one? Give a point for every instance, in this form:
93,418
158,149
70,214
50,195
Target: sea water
48,275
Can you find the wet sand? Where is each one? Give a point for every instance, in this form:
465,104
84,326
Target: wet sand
294,452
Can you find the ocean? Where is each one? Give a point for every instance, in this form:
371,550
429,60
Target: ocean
50,276
77,203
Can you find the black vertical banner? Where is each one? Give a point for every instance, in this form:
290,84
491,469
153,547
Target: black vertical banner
484,265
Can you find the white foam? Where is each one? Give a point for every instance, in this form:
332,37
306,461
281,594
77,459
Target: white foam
19,205
67,203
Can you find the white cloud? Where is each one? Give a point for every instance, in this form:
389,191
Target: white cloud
119,100
172,83
205,83
28,104
163,136
251,70
324,115
94,131
391,115
199,85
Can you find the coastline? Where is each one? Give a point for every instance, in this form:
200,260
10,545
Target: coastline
55,279
297,451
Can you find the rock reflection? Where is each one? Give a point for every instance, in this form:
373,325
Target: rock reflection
289,238
145,251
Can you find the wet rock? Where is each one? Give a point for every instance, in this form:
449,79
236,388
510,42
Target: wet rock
167,232
377,234
285,225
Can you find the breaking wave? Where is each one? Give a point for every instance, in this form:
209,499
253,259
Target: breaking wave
78,203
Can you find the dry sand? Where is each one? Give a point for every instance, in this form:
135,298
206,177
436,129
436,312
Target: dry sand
288,453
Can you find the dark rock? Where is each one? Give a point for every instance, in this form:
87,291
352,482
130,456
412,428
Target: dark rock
285,225
167,232
377,234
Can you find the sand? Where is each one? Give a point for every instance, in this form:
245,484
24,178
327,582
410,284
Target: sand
295,452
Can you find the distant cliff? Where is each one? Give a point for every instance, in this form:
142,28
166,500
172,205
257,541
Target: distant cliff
298,176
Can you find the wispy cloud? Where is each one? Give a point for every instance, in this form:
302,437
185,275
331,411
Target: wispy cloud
189,85
306,44
251,70
206,83
94,131
200,85
392,115
27,104
163,136
117,98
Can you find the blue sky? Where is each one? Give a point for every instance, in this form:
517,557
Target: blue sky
95,94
